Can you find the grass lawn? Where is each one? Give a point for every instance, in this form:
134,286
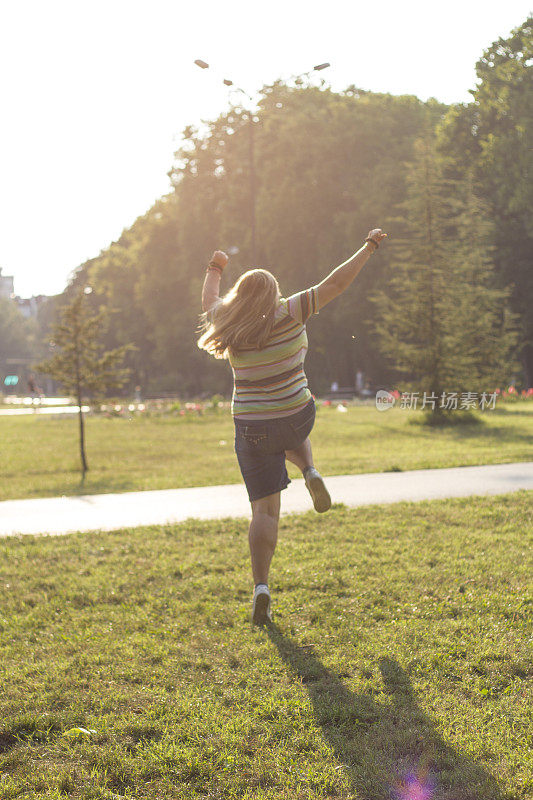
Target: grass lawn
39,455
400,644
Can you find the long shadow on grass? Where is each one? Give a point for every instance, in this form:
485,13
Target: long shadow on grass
390,748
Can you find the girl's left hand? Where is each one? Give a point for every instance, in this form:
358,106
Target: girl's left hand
376,234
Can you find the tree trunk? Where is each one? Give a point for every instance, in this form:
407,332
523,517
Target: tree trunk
84,465
527,365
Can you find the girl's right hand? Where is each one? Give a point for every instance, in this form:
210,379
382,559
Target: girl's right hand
219,258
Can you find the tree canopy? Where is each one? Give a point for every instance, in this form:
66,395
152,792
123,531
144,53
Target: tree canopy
328,166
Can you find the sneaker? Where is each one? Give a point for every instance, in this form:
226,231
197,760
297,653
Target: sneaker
261,605
317,490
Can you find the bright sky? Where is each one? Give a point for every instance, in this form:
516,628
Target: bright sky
95,95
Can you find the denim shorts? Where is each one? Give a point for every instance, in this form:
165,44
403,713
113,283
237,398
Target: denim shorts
260,447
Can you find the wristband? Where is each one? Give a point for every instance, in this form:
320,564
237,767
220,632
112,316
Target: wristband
215,266
369,239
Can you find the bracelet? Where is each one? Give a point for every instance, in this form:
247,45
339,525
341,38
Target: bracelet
215,267
369,239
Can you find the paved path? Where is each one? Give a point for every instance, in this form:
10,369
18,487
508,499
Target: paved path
18,412
60,515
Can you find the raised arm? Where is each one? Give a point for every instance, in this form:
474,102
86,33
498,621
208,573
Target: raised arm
212,279
341,277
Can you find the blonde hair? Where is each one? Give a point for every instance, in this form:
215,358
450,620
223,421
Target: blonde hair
245,316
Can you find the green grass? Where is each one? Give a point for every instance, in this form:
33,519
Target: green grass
39,455
400,642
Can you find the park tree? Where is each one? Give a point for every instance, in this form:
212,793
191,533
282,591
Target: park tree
493,135
328,167
80,363
411,313
486,331
442,321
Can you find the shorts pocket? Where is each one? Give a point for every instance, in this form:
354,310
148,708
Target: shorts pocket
254,436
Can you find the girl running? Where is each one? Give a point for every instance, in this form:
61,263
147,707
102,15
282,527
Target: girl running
263,336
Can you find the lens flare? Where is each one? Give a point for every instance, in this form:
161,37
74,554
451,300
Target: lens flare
415,786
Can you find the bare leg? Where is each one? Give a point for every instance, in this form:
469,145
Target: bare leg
263,535
302,456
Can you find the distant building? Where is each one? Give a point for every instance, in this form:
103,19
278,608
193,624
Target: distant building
7,286
30,306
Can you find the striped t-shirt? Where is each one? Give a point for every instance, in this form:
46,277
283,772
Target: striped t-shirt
271,382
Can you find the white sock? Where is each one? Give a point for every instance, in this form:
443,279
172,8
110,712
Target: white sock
257,585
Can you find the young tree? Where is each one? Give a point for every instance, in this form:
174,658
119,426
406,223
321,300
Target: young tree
410,315
80,363
484,331
441,320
